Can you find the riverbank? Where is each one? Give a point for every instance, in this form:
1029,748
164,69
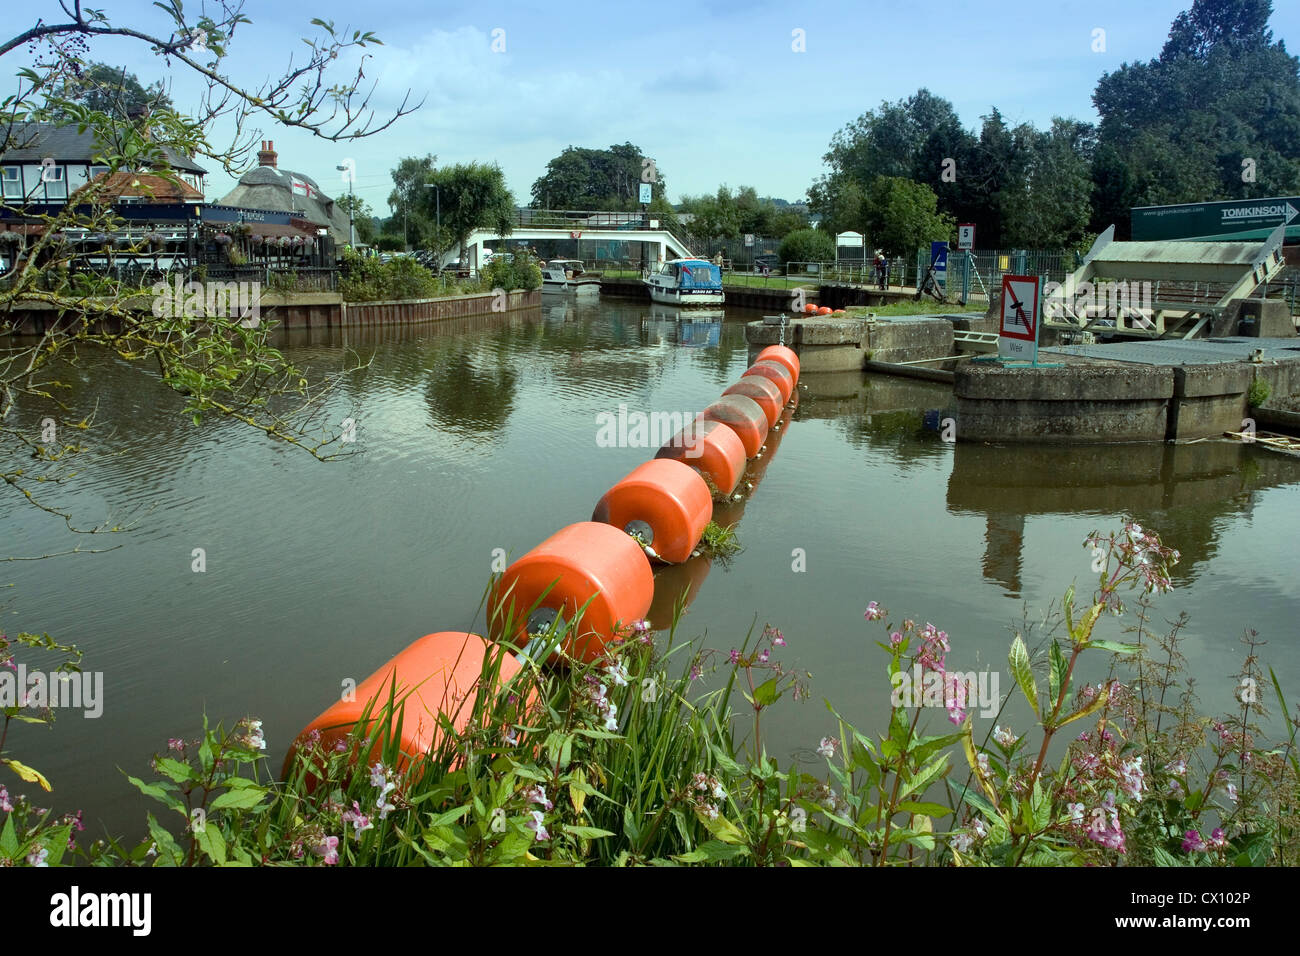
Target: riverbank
309,310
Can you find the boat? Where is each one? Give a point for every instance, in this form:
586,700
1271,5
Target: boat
687,282
566,277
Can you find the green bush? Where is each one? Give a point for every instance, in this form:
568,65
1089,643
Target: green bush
807,245
367,279
518,272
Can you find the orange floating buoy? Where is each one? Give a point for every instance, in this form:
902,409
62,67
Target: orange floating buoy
743,416
764,392
438,674
810,309
712,448
663,503
824,310
587,561
782,354
778,373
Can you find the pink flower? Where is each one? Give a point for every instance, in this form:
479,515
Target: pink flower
895,639
176,744
1192,841
328,848
5,805
763,655
538,826
734,657
360,822
827,747
874,612
537,794
37,856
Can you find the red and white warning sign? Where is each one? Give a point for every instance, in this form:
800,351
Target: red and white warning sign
1018,332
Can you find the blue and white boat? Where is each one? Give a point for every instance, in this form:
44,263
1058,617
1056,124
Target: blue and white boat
687,282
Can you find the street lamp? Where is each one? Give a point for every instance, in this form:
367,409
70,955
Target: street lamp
437,195
352,235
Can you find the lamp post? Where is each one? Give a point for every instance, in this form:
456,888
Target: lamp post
352,233
437,195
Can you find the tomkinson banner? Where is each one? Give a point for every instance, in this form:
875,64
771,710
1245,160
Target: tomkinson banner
1243,219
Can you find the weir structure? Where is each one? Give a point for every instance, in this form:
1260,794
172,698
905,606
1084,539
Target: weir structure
1152,290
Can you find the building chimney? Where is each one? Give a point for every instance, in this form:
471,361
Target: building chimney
266,156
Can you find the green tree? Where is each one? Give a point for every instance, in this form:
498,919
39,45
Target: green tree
111,90
807,245
609,179
1215,116
408,199
363,217
473,196
901,215
1054,206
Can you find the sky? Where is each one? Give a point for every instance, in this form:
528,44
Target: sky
715,92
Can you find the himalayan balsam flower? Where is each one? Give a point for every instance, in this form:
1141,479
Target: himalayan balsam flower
1178,767
617,673
5,805
37,856
1004,737
360,822
1192,841
538,826
874,612
827,747
537,794
328,848
1231,790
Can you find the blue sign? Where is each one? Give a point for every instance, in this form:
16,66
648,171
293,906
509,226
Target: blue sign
939,260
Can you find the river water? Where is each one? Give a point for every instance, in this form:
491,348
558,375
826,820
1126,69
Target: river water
481,434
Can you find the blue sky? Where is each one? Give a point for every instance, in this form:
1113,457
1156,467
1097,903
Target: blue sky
713,91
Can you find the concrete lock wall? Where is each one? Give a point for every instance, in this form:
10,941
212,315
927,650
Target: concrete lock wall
1085,402
1100,403
828,344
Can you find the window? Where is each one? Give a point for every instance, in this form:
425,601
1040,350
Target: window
56,187
96,171
13,182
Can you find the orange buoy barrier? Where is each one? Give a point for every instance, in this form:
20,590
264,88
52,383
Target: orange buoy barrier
437,674
810,309
676,584
783,355
663,503
710,447
824,310
778,373
743,416
764,392
587,561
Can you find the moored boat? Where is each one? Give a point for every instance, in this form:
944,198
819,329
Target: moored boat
566,277
687,282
